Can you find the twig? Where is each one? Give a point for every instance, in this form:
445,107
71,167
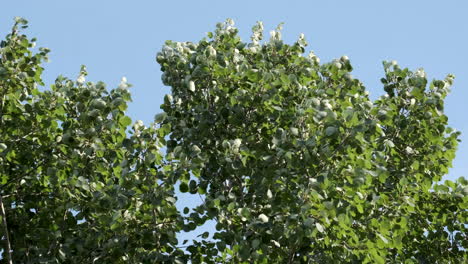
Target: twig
5,229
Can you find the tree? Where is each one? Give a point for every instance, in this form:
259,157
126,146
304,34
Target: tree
74,185
298,165
293,160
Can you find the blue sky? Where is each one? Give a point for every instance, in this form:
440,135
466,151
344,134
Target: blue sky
120,38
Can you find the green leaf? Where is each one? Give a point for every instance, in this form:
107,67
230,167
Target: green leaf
330,130
183,187
255,243
125,121
159,118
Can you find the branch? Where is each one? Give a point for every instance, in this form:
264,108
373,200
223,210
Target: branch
5,230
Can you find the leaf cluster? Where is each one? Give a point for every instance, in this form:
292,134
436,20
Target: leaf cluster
299,165
294,162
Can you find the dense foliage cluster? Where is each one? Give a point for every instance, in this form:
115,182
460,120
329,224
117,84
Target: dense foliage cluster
75,186
294,161
299,165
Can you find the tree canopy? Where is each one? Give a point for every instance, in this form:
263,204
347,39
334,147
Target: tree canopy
76,187
294,161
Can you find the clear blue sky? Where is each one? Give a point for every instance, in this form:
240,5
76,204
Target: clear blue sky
120,38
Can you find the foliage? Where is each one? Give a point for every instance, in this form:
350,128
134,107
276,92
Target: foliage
76,187
294,161
298,165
